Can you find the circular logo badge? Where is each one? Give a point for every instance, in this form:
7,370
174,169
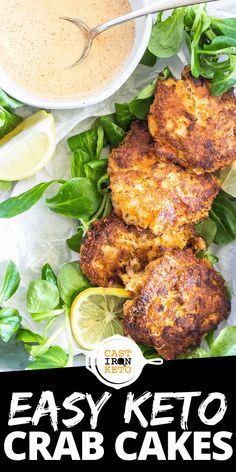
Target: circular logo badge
118,361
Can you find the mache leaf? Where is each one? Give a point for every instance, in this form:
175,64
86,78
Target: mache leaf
42,296
77,198
11,282
16,205
48,274
167,35
27,336
74,242
10,320
71,281
54,358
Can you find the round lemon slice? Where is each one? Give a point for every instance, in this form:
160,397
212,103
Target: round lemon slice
95,315
25,150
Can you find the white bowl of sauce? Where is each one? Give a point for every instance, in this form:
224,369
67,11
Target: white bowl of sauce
37,48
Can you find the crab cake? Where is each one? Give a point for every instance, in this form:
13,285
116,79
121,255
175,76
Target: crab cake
157,195
112,248
178,299
136,152
191,127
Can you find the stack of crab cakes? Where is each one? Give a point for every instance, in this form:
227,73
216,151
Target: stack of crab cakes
162,184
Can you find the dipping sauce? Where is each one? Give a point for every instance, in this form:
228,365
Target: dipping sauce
37,47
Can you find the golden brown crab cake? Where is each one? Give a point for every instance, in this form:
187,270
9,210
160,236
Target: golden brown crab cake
191,127
186,236
157,195
136,152
177,300
163,198
111,248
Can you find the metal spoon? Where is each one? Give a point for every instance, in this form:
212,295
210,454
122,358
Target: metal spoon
91,33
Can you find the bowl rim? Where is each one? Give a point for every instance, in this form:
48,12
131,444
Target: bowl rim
113,86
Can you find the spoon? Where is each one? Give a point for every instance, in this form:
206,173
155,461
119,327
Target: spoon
91,33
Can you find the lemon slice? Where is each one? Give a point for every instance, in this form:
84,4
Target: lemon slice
95,315
25,150
228,179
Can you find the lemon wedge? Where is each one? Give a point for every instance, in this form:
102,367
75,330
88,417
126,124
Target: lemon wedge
228,179
95,315
25,150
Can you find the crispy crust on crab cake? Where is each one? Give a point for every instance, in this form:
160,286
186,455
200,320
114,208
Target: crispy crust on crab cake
111,248
186,236
157,195
136,151
191,127
178,299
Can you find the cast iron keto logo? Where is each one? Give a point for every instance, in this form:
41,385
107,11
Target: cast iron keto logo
118,361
